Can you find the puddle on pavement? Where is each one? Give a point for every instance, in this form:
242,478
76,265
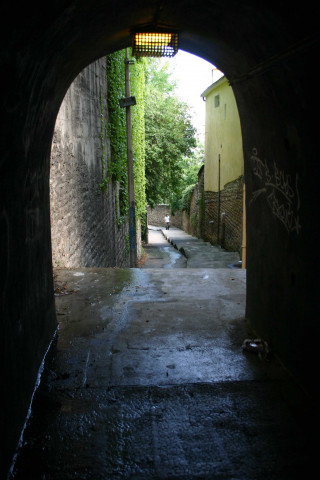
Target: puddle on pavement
159,254
174,257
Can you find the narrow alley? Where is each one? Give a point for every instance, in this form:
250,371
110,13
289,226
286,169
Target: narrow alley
147,379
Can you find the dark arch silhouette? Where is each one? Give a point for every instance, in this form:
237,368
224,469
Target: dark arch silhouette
266,51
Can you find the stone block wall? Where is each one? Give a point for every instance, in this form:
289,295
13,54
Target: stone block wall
193,221
156,216
231,216
84,230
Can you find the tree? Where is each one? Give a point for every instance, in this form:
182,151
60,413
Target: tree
170,136
190,169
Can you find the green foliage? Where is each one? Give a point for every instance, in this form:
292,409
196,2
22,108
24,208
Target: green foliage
117,169
137,80
170,137
103,135
190,169
184,203
117,126
165,155
158,76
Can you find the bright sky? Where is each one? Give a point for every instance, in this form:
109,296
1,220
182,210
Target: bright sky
193,75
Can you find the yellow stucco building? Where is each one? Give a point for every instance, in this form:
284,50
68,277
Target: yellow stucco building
222,136
223,170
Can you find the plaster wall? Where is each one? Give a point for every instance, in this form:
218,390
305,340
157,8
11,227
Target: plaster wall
222,137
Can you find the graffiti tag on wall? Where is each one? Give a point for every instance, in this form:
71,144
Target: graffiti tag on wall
280,190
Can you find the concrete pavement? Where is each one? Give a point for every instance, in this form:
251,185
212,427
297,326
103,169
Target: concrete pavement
200,254
160,254
146,379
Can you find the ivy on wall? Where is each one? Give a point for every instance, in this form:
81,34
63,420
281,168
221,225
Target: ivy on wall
115,168
137,80
117,165
103,139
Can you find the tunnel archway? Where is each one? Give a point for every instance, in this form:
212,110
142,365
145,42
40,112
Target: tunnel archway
265,52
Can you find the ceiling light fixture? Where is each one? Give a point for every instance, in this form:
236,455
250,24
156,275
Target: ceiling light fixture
154,44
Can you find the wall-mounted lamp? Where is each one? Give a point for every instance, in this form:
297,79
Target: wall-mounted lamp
154,44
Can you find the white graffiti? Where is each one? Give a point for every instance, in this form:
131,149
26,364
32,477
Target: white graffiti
281,192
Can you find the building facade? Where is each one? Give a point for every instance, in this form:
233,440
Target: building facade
224,212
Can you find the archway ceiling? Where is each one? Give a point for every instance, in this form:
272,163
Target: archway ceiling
233,35
44,50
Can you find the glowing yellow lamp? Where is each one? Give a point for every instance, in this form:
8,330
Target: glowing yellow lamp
155,44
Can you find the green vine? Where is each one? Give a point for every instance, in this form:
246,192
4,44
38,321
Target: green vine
103,134
137,78
117,128
116,168
186,198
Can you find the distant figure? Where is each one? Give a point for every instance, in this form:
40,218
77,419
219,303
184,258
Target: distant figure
167,221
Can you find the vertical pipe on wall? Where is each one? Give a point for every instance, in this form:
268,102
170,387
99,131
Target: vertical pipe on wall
244,230
218,234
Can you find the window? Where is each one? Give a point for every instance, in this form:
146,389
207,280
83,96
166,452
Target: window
217,101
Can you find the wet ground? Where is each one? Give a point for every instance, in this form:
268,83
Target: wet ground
160,254
147,379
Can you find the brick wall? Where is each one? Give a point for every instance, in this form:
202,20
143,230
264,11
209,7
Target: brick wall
202,221
84,229
230,228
